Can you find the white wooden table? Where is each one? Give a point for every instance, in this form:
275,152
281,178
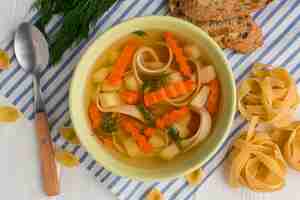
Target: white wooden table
19,169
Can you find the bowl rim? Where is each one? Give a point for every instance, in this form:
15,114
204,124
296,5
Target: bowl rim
232,89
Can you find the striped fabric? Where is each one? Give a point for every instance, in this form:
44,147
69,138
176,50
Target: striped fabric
281,27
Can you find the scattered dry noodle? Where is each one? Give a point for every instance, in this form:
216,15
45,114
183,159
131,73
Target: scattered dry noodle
8,114
155,194
195,177
4,60
69,134
66,159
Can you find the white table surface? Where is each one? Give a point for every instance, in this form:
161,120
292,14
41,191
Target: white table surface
19,169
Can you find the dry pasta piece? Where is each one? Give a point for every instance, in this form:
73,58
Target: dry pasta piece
288,139
4,60
256,162
270,94
66,159
195,177
8,114
69,134
155,194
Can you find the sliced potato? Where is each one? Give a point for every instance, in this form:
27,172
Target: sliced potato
132,148
110,99
69,134
195,177
155,194
192,51
175,76
200,99
107,87
8,114
182,126
66,159
207,74
101,74
157,141
182,129
131,83
169,152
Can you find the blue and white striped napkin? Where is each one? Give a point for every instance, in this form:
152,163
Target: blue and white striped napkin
280,22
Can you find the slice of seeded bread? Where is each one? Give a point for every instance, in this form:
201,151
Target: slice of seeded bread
206,10
247,41
238,32
254,5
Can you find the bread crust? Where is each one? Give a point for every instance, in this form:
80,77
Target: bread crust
231,26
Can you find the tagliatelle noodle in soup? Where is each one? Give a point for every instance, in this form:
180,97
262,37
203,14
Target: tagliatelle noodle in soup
270,94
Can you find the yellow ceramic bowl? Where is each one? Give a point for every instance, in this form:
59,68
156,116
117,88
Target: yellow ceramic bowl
181,164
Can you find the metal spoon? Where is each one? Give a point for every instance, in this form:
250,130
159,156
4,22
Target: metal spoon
32,53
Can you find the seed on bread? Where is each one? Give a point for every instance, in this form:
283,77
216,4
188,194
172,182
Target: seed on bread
248,41
206,10
235,30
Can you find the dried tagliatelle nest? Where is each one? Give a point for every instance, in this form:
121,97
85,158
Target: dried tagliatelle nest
270,94
195,177
288,139
155,194
256,161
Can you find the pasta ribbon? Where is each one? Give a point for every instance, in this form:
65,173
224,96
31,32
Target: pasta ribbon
269,94
256,161
288,139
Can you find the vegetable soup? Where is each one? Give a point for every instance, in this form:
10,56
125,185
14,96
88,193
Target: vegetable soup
152,95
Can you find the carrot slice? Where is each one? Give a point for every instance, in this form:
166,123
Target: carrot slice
94,115
131,127
149,132
144,145
171,117
120,67
108,142
172,91
185,69
130,97
214,97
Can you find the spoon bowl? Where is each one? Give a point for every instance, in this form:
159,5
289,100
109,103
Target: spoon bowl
31,48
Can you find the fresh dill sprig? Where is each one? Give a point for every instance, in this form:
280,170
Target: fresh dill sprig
78,19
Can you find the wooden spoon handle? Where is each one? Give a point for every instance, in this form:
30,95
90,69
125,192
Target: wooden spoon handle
48,165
